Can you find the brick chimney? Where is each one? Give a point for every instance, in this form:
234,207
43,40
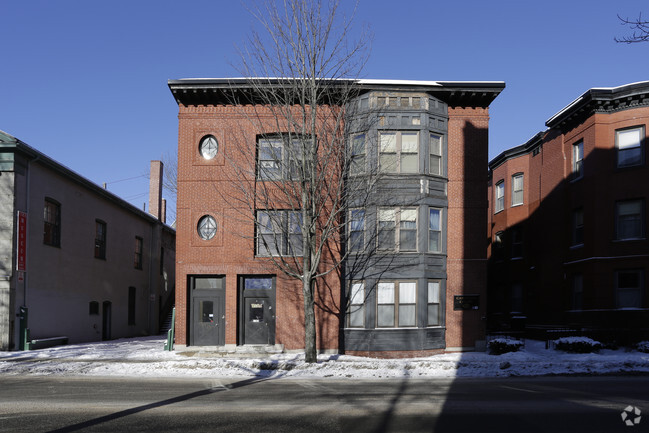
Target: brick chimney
155,189
163,217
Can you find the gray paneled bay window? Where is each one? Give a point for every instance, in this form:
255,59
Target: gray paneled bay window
396,304
435,154
434,230
356,308
397,229
399,151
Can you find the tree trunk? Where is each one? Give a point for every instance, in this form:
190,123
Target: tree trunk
309,322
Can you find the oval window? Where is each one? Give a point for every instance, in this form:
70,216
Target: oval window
207,227
209,147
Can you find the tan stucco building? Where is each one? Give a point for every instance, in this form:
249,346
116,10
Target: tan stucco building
77,261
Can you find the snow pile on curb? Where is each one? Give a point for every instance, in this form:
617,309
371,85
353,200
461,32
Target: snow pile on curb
145,357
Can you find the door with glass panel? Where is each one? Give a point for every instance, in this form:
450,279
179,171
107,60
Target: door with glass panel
257,310
207,311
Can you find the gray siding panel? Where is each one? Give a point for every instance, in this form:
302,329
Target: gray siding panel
394,339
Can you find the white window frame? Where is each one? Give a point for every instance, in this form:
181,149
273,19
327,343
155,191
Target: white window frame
518,189
578,159
499,194
626,144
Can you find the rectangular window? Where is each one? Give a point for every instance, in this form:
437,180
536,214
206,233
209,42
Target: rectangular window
279,158
397,229
399,152
100,239
517,298
630,219
295,247
162,261
52,223
630,286
630,148
577,292
357,230
578,159
271,159
279,233
387,229
578,227
397,304
358,154
434,230
356,311
434,318
385,305
93,308
131,305
517,243
408,230
435,154
500,196
137,263
517,189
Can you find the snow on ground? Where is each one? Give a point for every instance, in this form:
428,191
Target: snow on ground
145,357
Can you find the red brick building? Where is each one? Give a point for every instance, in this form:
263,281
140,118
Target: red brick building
568,220
432,206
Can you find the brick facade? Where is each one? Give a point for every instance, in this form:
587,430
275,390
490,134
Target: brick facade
569,273
210,187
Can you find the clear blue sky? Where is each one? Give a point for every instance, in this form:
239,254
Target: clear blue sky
85,82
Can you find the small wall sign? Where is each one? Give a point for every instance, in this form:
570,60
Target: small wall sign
466,302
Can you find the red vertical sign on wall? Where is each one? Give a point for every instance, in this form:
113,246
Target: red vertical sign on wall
21,260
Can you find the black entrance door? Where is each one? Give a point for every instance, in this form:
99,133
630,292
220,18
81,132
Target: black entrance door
257,310
207,320
256,321
207,311
106,320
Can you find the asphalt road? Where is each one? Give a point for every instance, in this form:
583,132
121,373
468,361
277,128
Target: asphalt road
547,404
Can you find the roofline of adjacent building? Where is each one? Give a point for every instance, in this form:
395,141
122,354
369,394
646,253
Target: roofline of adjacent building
599,95
517,151
12,144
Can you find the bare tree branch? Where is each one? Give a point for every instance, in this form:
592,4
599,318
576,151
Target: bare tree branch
292,183
640,28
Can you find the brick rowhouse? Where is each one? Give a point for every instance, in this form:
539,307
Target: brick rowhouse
432,295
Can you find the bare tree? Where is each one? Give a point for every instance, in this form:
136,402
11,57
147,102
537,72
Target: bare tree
294,185
640,28
170,175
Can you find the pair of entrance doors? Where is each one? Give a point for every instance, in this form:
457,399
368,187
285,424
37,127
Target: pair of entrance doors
256,310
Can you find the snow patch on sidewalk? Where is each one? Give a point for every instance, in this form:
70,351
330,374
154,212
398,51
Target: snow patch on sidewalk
145,357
